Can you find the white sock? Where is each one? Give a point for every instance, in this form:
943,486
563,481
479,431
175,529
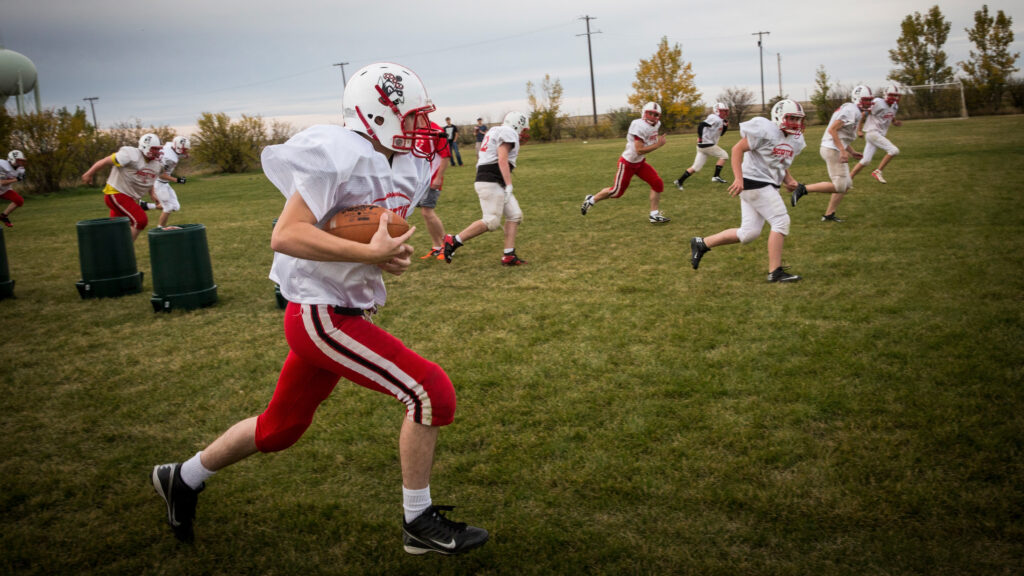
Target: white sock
415,502
653,212
510,250
193,473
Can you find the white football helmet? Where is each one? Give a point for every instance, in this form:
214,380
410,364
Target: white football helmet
150,146
862,97
517,121
14,155
722,110
389,103
652,113
892,94
181,145
788,116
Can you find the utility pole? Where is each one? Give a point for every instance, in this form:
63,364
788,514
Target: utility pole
342,65
90,100
779,54
590,56
761,50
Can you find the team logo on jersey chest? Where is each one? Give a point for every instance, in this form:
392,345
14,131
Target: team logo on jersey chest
783,151
391,89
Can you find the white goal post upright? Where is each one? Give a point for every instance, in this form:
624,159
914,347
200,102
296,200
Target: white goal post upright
931,88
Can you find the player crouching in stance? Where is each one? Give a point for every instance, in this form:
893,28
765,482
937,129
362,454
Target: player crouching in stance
493,185
174,152
641,139
331,284
11,170
836,152
708,133
876,124
760,163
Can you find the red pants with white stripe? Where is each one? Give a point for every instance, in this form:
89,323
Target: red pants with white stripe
628,169
125,205
327,346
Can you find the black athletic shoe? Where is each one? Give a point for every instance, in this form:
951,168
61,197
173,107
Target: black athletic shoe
6,221
697,250
180,499
780,275
450,244
432,532
800,192
831,218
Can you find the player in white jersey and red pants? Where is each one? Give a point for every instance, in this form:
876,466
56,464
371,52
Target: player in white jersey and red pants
708,133
132,174
641,139
173,152
493,185
875,127
760,164
837,151
428,205
11,170
332,286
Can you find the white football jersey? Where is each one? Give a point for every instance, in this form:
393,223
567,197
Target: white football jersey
647,134
132,174
713,131
849,114
880,116
169,160
772,151
333,168
7,172
494,138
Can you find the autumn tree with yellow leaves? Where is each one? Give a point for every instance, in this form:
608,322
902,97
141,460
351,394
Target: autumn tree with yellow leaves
668,80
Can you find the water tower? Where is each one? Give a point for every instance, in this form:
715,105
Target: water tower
17,78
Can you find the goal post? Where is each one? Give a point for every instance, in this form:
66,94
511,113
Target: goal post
944,100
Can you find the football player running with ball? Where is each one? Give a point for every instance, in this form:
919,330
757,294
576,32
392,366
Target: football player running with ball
493,185
836,151
332,286
641,139
876,124
760,163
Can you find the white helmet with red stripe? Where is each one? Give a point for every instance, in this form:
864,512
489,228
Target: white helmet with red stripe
181,145
862,97
788,116
389,103
150,146
722,110
652,113
892,94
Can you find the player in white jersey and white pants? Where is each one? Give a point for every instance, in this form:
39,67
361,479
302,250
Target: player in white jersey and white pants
876,124
493,185
174,151
332,284
642,139
836,151
760,164
708,133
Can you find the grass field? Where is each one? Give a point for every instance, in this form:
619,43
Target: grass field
619,412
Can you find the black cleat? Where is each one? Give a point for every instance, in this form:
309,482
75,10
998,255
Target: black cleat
450,244
831,218
780,275
697,250
180,499
432,532
800,192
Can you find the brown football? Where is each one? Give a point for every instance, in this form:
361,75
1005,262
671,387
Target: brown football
360,223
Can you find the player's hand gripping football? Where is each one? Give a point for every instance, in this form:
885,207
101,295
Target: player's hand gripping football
395,253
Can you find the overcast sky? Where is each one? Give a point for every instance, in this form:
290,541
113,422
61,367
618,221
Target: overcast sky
167,62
